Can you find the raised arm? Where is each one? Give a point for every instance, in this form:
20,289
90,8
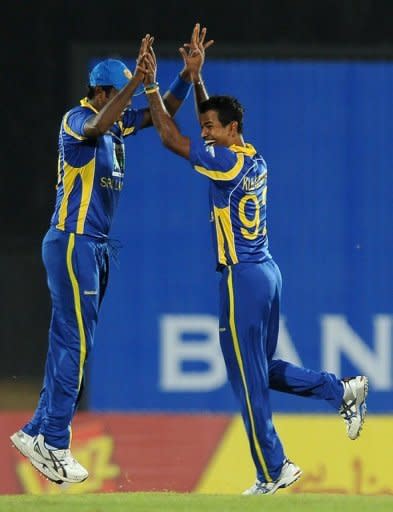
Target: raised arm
193,54
101,122
190,74
166,127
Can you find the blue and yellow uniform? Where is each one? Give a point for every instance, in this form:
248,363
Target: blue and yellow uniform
250,292
90,172
75,252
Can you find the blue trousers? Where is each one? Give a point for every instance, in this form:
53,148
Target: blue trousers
77,269
249,321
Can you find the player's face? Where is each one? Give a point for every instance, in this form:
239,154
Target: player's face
213,131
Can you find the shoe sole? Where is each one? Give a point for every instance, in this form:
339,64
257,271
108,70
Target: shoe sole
37,466
40,467
362,407
286,483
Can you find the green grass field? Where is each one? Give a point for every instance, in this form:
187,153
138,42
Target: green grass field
172,502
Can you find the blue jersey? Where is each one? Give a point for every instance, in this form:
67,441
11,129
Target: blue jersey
90,172
238,187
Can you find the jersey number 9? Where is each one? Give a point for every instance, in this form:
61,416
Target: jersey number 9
250,231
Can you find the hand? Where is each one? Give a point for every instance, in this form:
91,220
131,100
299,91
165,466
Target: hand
193,53
150,64
146,44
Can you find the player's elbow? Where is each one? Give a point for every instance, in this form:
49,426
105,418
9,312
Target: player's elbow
180,146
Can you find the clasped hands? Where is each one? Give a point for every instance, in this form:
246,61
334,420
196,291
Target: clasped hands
193,54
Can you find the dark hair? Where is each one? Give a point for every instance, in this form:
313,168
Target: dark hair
228,109
91,90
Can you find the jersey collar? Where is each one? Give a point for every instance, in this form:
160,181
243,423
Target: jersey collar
84,103
248,149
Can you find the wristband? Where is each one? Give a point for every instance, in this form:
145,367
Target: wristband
151,90
179,88
151,87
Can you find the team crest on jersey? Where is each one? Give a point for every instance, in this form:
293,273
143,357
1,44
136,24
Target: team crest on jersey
118,160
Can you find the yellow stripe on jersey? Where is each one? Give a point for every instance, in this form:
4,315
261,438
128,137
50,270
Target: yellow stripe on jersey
223,216
87,177
220,239
68,130
85,103
223,175
248,149
126,131
235,340
77,306
70,173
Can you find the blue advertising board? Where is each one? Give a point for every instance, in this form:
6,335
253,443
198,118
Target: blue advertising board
326,131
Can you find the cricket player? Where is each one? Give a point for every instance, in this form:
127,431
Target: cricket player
76,249
250,286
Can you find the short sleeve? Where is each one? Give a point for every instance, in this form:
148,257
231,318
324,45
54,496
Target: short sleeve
74,121
131,121
216,162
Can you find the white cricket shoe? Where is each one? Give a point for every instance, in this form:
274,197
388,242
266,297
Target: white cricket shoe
58,461
289,474
24,444
353,408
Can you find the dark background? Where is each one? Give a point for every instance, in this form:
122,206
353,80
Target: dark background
39,47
